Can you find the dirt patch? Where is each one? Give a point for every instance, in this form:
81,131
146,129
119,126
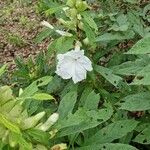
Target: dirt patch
19,25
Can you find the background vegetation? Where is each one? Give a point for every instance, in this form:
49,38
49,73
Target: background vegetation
110,110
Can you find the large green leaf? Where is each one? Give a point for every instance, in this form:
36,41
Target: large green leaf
89,32
92,100
38,135
141,47
63,44
131,67
107,146
88,18
112,132
113,37
42,35
136,102
67,104
108,75
83,120
143,137
24,145
143,76
11,126
33,87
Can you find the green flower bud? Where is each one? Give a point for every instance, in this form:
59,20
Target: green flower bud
86,41
80,25
32,121
69,24
71,3
5,137
81,5
73,13
12,140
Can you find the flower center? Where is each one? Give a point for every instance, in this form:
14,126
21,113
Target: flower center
77,58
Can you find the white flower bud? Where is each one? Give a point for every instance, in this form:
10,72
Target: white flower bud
50,121
45,23
32,121
63,33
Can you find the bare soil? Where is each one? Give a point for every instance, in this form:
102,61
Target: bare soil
19,25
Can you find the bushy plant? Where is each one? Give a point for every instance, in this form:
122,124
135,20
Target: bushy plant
97,68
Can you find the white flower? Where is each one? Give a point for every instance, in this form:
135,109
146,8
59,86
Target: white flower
73,64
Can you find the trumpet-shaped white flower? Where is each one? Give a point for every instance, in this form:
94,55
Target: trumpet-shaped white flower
73,64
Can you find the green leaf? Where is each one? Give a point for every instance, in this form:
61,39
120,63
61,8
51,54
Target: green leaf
121,23
33,87
92,100
53,10
42,35
89,32
108,75
42,96
5,94
131,1
107,146
2,69
11,126
88,18
110,132
136,102
131,67
113,37
143,137
141,47
22,142
82,120
67,104
142,77
63,44
39,136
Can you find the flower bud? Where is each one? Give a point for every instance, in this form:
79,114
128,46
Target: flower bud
73,13
40,147
71,3
61,146
50,121
81,5
32,121
12,140
80,25
64,33
86,41
45,23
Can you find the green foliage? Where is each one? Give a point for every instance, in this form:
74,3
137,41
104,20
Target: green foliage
110,109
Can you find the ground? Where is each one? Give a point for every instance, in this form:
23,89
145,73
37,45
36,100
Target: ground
19,25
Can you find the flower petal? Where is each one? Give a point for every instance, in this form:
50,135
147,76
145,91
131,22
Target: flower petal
86,63
79,73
